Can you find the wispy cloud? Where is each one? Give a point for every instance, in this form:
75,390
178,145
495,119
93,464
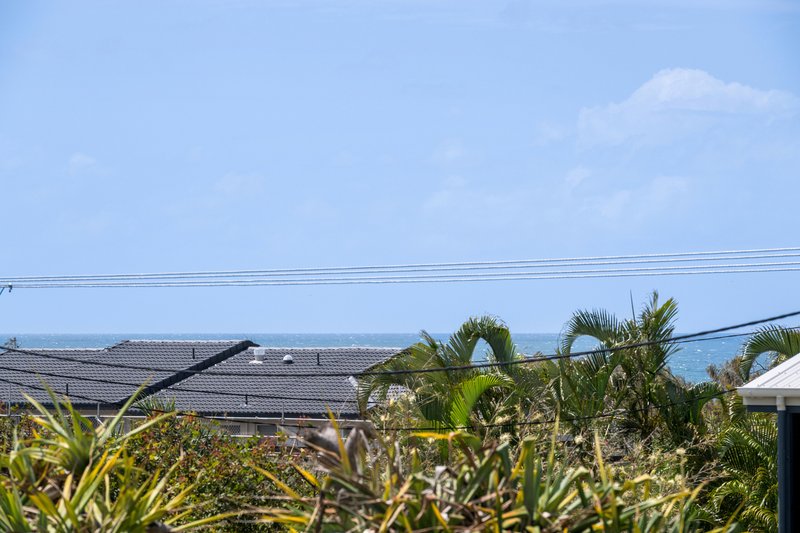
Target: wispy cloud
450,151
576,176
608,200
80,163
235,185
678,102
232,201
548,133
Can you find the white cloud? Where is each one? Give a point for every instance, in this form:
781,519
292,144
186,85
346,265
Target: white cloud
548,132
232,203
80,163
460,202
606,199
640,203
678,102
614,205
576,176
238,185
450,151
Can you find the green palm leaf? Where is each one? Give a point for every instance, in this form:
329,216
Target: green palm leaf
778,343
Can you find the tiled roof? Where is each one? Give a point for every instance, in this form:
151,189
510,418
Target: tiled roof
315,395
174,357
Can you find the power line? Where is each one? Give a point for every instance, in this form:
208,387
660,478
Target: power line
495,364
517,423
715,337
401,281
135,407
428,265
391,270
220,418
172,388
785,266
509,423
248,394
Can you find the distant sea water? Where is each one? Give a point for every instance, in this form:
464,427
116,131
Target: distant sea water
689,362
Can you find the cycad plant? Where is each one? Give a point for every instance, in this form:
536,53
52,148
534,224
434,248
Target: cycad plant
74,477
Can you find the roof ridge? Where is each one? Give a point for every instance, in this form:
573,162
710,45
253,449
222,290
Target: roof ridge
328,348
43,348
195,341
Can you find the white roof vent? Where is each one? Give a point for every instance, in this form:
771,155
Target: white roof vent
258,356
288,359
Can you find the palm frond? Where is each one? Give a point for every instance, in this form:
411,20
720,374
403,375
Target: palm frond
598,324
777,342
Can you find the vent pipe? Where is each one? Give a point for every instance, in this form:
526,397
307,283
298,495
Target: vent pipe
258,356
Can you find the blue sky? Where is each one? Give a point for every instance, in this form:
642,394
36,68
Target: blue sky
178,135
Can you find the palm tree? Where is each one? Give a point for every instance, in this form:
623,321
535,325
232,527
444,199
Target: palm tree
748,453
776,342
631,378
447,398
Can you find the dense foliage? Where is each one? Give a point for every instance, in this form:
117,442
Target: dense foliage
72,477
485,487
609,440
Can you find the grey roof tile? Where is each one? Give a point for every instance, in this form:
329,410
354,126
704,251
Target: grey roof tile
313,396
25,373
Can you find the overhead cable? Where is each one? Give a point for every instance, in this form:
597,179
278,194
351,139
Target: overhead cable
787,266
79,378
448,270
395,269
493,364
509,423
517,423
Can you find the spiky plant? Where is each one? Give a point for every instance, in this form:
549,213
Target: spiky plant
488,488
74,477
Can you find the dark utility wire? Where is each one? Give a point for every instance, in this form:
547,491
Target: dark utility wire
517,423
510,423
76,377
495,364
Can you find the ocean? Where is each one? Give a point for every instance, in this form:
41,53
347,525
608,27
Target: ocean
689,362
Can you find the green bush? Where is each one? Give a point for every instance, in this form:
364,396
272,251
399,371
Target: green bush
223,471
490,487
72,477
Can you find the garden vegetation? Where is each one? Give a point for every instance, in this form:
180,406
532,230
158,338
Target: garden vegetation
606,441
